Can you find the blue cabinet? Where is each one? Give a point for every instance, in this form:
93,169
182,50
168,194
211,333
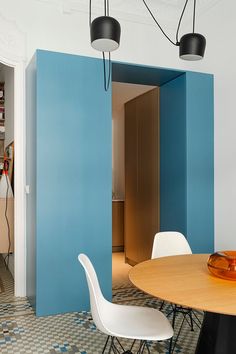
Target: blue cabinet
69,173
69,208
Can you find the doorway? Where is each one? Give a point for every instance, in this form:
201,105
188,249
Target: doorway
186,168
7,169
15,66
135,120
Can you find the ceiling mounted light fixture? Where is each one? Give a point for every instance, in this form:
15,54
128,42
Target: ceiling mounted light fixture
105,34
191,45
105,37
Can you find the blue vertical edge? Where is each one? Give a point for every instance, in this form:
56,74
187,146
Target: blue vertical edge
173,155
200,161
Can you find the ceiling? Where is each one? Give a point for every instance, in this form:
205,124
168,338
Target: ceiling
166,11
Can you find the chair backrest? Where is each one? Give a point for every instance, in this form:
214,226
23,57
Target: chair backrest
97,301
169,243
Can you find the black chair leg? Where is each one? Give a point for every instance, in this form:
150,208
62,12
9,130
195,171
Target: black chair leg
162,305
191,320
173,326
104,348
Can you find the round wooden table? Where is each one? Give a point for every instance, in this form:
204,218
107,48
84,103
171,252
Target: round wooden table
185,280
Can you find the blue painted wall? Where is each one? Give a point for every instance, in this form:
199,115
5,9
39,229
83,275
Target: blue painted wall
69,170
187,159
200,161
173,155
73,180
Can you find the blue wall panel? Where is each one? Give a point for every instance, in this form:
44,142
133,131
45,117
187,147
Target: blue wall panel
69,209
200,161
173,155
73,179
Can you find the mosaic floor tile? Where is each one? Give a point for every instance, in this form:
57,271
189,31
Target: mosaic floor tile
21,332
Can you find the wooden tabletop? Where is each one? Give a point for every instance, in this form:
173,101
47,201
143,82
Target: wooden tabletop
185,280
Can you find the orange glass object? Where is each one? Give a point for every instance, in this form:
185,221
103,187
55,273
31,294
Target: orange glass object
223,264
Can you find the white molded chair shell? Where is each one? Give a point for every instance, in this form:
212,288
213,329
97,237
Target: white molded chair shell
170,243
125,321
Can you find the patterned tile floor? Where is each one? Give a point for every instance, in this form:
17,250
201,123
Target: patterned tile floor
21,332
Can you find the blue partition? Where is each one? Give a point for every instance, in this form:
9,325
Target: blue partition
200,161
187,159
69,170
173,208
73,179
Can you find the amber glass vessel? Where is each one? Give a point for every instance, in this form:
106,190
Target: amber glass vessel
223,264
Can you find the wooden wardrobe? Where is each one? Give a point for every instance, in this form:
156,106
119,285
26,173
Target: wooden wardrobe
142,219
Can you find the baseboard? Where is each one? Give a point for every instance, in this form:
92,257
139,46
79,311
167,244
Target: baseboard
117,248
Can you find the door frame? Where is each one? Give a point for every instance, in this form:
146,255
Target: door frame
197,90
13,54
19,177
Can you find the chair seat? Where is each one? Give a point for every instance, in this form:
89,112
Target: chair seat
136,322
125,321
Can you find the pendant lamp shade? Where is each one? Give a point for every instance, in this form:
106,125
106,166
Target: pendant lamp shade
105,34
192,46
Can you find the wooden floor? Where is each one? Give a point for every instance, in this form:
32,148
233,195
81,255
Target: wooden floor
120,271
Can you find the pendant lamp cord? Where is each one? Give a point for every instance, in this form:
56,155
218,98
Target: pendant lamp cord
180,20
107,79
90,13
106,10
7,257
194,12
107,76
106,7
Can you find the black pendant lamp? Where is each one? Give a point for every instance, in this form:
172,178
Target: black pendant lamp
105,34
191,45
105,37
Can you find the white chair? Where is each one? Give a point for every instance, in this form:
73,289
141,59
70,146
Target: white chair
133,322
173,243
169,243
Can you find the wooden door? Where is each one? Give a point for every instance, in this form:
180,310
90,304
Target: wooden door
141,175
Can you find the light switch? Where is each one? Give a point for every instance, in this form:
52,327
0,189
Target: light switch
27,189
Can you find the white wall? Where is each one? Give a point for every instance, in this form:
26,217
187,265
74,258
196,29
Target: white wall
46,27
